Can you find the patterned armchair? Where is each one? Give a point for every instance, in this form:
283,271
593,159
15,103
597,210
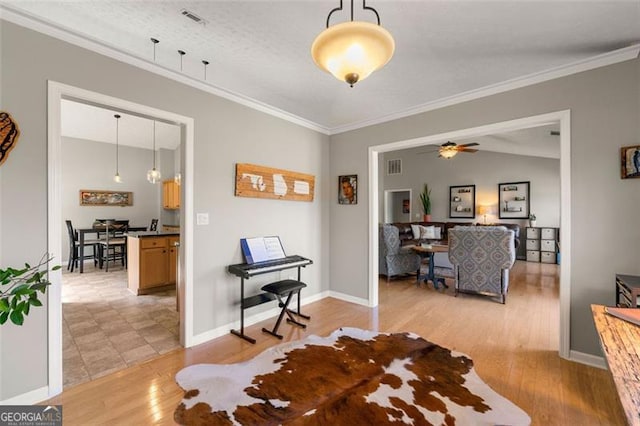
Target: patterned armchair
481,257
394,259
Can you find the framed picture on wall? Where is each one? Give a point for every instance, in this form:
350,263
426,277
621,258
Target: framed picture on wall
630,162
462,201
348,189
513,200
405,206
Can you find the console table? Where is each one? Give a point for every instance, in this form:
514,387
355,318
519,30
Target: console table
620,342
627,291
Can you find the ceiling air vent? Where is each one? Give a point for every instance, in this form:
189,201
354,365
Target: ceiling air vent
192,16
394,167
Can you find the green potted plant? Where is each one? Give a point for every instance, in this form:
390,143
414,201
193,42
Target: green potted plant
19,289
425,198
532,220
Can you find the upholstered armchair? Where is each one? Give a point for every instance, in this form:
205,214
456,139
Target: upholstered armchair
481,258
392,258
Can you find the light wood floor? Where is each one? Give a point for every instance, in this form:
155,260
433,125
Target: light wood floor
514,348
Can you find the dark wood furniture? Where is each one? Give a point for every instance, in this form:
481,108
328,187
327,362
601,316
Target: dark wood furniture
82,232
114,245
429,251
620,342
627,291
245,271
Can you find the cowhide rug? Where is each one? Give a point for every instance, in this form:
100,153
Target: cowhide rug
352,377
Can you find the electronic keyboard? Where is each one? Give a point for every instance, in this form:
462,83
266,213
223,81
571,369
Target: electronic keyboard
246,270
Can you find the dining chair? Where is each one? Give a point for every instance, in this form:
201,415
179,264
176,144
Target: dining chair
74,246
154,225
114,246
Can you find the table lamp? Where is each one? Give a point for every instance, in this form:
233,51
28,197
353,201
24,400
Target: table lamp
484,210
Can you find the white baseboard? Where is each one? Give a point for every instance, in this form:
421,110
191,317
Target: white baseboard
588,359
253,319
349,298
29,398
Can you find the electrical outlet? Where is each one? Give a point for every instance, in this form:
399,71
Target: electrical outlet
202,218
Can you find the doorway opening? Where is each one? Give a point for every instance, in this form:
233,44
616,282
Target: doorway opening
58,92
561,117
397,205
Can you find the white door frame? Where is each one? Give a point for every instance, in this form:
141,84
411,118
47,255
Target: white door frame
564,118
57,92
387,195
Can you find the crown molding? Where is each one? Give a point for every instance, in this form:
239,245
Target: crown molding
53,30
609,58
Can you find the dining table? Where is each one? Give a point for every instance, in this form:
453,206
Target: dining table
93,230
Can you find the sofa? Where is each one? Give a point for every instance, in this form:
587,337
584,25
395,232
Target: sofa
482,257
407,237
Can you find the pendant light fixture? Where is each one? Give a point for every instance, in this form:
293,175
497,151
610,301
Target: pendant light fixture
153,175
117,177
352,50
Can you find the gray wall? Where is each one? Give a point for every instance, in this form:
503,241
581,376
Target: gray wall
605,112
225,133
484,170
91,165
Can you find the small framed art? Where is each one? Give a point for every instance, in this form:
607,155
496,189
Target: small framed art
630,162
348,189
513,200
91,197
462,201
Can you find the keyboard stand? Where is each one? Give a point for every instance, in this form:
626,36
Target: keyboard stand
243,271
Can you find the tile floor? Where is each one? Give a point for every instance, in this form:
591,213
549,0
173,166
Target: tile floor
106,328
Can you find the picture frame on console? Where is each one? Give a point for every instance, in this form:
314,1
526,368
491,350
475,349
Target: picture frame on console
462,201
513,200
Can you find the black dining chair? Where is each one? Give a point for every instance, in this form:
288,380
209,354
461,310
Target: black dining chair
154,225
114,246
74,245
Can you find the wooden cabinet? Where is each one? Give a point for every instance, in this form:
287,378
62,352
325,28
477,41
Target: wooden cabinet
173,259
151,263
170,195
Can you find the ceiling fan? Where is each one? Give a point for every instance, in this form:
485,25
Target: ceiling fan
450,149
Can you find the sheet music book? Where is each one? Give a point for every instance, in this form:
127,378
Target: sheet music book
628,314
261,249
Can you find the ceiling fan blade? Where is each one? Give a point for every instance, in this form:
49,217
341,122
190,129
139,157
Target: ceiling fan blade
469,144
467,150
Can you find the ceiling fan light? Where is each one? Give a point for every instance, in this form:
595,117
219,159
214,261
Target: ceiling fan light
448,152
352,50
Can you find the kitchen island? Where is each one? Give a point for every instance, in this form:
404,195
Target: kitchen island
152,261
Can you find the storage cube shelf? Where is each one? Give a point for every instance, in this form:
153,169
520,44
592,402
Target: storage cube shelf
542,245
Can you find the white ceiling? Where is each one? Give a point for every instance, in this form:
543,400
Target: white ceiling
93,123
534,141
260,49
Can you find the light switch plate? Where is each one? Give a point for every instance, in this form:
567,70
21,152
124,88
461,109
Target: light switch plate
202,218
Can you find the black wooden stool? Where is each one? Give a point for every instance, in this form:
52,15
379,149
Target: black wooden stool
281,289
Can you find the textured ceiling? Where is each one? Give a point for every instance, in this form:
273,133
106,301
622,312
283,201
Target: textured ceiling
260,49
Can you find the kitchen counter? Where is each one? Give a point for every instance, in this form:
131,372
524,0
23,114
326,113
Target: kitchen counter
146,234
152,261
